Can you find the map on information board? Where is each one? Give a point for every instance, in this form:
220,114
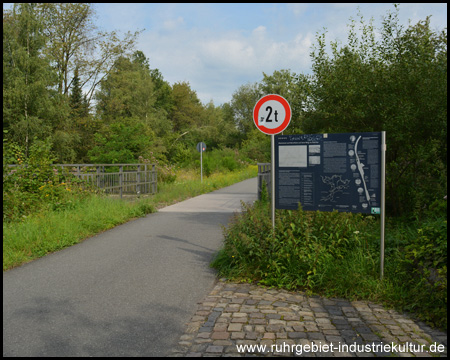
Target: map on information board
329,172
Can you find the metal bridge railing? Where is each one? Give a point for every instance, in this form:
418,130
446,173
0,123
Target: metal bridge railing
264,177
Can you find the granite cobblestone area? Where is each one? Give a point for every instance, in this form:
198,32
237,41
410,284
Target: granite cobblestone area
236,315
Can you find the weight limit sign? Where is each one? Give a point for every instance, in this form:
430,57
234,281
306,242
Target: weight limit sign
272,114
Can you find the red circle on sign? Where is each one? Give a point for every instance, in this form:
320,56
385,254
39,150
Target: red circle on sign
284,122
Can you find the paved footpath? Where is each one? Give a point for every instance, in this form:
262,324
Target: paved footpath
128,291
234,317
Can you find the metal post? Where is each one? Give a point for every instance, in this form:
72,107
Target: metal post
154,179
382,210
146,187
98,176
272,170
120,180
138,180
201,164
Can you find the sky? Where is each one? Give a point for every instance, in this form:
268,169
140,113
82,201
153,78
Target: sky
219,47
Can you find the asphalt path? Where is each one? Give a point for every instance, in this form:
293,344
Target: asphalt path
126,292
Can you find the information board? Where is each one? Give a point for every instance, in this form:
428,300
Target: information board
329,172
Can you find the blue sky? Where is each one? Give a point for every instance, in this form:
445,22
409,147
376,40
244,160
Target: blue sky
221,46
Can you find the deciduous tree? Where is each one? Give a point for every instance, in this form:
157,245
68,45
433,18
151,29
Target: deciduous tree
396,83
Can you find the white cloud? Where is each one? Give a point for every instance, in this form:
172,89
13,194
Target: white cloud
297,9
173,24
215,65
219,47
260,31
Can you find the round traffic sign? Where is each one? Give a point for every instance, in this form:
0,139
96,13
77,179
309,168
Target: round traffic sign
201,147
272,114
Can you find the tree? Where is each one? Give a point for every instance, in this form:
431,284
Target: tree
294,88
397,83
213,128
125,105
28,101
75,42
233,134
242,103
77,101
83,123
164,98
127,91
187,107
121,142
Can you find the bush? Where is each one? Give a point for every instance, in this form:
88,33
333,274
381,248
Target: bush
337,255
421,267
34,184
296,256
222,160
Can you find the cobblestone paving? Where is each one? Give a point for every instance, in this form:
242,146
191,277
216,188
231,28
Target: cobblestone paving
234,315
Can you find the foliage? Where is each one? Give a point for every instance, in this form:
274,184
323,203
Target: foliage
242,103
187,108
35,185
397,83
418,265
120,142
337,255
28,101
257,146
75,42
304,242
48,230
222,160
55,62
47,50
126,92
294,88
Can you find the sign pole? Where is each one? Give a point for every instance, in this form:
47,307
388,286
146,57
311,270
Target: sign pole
383,193
272,174
201,146
271,115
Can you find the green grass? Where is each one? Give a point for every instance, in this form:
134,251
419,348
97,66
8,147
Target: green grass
188,185
49,231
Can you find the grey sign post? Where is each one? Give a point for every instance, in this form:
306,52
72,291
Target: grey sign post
272,115
201,146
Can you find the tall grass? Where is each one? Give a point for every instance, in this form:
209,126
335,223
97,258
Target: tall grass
48,231
188,185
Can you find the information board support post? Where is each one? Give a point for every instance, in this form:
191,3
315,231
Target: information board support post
382,203
272,174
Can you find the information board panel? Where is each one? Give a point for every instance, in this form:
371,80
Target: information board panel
329,172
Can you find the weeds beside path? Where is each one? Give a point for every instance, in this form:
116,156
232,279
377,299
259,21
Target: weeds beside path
338,255
48,231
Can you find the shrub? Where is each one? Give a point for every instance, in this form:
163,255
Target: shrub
295,256
422,269
35,184
337,255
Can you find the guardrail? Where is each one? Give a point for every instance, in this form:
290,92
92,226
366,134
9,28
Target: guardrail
264,178
129,179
